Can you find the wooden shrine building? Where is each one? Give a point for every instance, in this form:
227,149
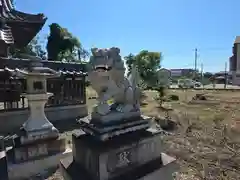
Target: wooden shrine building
17,29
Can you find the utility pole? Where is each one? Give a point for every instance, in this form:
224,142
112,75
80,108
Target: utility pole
195,63
225,76
202,76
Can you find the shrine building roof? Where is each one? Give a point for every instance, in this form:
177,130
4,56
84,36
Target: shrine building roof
9,65
17,26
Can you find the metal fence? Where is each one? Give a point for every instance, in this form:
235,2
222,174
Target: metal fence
67,89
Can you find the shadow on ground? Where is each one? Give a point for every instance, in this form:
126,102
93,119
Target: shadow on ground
45,174
67,125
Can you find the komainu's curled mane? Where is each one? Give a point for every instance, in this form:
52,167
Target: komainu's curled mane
106,74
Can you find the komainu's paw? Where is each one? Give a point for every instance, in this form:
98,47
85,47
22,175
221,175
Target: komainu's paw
103,109
125,108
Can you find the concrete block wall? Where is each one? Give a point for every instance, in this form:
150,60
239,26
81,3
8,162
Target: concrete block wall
12,120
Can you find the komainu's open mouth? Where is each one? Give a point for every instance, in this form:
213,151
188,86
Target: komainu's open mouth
102,67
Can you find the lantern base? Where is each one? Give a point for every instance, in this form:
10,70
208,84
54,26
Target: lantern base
37,127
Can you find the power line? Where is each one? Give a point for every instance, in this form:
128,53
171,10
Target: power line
186,53
195,62
215,49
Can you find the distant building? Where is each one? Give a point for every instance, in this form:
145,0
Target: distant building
176,72
222,73
234,62
181,72
222,76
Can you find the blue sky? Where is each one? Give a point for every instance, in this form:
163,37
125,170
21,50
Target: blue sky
173,27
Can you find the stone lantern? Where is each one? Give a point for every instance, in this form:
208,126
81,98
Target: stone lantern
37,126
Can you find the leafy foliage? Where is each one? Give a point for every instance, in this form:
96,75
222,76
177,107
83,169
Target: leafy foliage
34,48
62,45
207,75
130,60
147,63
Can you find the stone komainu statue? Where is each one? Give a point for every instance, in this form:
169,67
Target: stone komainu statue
116,94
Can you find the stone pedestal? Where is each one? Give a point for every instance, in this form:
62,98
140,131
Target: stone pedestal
26,160
135,155
36,167
105,131
20,153
37,120
38,126
116,142
37,146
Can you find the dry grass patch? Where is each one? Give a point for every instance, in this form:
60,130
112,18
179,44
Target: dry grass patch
207,140
207,143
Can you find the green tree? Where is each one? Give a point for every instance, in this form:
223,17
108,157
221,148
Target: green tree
207,75
37,47
130,60
62,45
147,63
34,48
